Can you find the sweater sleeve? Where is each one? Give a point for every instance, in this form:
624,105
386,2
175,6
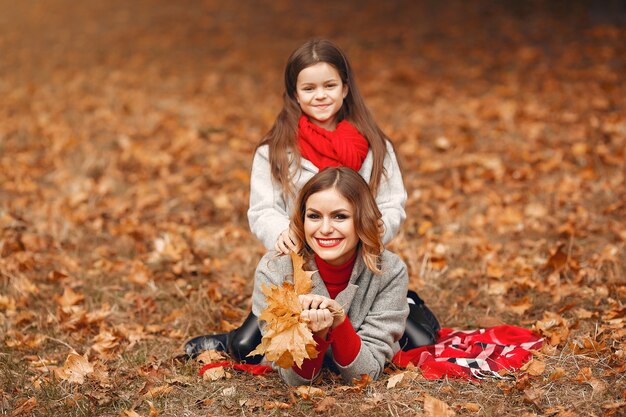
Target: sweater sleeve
267,214
345,343
311,367
391,196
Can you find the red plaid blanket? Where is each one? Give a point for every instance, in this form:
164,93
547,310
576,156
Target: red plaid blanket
474,354
467,354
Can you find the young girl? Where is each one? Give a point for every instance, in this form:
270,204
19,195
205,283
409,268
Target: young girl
336,218
324,122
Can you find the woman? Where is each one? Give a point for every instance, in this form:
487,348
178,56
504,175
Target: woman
357,308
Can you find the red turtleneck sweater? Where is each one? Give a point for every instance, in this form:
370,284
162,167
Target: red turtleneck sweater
343,339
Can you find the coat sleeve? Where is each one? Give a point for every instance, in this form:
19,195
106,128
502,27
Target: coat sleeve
391,196
382,327
267,214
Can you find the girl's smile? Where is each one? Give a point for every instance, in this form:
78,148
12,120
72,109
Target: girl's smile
320,93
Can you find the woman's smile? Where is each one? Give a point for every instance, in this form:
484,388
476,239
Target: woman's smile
329,226
328,243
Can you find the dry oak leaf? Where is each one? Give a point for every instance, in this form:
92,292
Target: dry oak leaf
287,339
75,369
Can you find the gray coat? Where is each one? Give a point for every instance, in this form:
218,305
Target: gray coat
376,306
270,210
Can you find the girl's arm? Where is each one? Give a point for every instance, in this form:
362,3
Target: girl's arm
382,327
391,196
267,214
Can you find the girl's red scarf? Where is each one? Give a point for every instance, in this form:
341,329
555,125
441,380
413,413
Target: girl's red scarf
344,146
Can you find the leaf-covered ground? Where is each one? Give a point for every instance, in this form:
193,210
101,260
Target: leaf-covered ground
126,135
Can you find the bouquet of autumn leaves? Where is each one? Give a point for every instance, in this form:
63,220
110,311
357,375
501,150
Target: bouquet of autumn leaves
287,339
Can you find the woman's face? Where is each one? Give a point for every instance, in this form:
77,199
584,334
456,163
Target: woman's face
329,226
320,93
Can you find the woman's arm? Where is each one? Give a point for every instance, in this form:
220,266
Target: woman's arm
383,325
391,196
267,214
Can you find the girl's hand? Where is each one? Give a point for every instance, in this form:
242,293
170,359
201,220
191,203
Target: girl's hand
322,313
287,242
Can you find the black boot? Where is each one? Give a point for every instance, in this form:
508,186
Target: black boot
245,339
421,325
237,343
198,344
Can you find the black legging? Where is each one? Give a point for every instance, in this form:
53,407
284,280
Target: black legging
421,329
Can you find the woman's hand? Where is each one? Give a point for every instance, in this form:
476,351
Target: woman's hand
287,242
321,313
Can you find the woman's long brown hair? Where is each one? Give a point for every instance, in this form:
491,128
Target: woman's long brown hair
281,138
366,214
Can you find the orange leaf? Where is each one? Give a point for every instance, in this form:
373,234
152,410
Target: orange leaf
287,339
69,298
362,382
301,278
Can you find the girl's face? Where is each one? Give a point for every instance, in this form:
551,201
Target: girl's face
329,226
320,93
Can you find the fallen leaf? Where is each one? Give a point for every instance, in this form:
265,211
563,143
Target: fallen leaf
24,408
308,392
153,410
271,405
210,356
214,374
435,407
362,382
75,369
69,298
325,405
535,367
160,391
139,273
473,407
533,396
556,374
395,380
558,260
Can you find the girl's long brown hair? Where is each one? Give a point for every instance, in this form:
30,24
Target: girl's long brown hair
281,138
366,214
